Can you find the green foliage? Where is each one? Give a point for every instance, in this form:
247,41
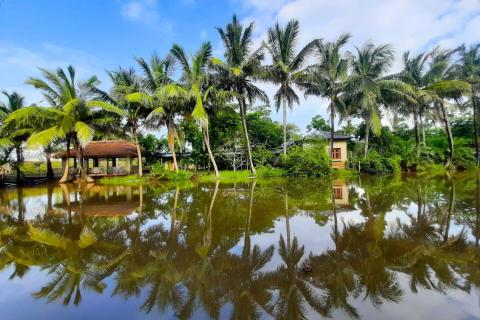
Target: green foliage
265,172
319,124
227,176
159,171
376,163
263,130
123,180
261,155
311,161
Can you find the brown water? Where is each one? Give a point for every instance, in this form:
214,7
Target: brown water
384,248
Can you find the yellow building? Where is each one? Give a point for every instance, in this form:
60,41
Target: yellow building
340,150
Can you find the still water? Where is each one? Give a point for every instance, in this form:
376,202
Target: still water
364,248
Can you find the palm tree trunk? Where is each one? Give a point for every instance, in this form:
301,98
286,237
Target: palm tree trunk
367,137
451,205
449,135
417,133
476,121
287,222
422,129
332,129
50,173
171,145
245,132
477,211
139,154
246,244
65,170
284,127
19,154
206,138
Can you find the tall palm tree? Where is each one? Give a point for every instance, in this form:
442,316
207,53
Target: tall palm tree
125,95
440,87
328,78
369,87
71,117
240,68
199,89
164,97
469,70
286,66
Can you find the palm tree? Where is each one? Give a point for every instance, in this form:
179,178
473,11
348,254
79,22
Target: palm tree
469,70
369,87
14,137
286,66
329,78
199,89
241,66
125,95
441,87
165,97
72,117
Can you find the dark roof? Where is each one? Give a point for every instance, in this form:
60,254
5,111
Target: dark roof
325,135
104,149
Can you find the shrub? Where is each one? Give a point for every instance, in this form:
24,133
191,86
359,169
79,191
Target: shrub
376,163
307,162
264,172
261,155
160,172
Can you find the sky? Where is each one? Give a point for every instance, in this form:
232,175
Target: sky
95,36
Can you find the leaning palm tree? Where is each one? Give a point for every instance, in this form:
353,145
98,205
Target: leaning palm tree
369,87
469,71
440,87
71,117
286,66
199,89
240,68
328,78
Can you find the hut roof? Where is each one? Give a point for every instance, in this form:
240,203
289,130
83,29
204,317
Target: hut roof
100,149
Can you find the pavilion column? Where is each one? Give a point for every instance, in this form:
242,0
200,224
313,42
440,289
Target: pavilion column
106,159
75,162
114,162
95,162
129,165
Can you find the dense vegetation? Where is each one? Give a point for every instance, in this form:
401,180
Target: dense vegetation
215,108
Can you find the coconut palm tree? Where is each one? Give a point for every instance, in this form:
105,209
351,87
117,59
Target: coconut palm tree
237,72
125,94
440,87
369,87
14,137
286,66
71,117
199,89
165,97
469,71
328,78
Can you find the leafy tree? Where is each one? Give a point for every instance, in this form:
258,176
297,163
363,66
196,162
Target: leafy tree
319,124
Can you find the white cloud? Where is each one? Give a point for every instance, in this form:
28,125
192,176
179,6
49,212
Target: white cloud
407,24
147,12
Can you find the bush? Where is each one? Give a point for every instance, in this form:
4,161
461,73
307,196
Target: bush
160,172
310,161
261,155
264,172
375,163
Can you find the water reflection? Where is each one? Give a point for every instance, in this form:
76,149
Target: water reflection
239,250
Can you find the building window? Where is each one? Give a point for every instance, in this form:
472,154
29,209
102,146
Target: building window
338,193
337,153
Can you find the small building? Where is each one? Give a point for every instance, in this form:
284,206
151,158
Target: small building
104,158
340,150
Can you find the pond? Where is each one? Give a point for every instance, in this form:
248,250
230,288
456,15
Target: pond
365,248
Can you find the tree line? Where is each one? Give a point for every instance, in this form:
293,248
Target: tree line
357,84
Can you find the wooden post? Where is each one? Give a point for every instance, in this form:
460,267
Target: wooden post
107,165
114,162
129,165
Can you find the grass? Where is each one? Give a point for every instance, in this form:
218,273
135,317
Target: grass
36,167
230,176
124,180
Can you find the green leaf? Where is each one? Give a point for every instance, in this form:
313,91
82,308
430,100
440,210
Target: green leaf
84,132
87,238
47,237
45,137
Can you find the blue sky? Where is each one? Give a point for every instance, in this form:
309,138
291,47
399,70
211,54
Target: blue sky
95,36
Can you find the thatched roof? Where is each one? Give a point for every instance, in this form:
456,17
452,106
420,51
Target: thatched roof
100,149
